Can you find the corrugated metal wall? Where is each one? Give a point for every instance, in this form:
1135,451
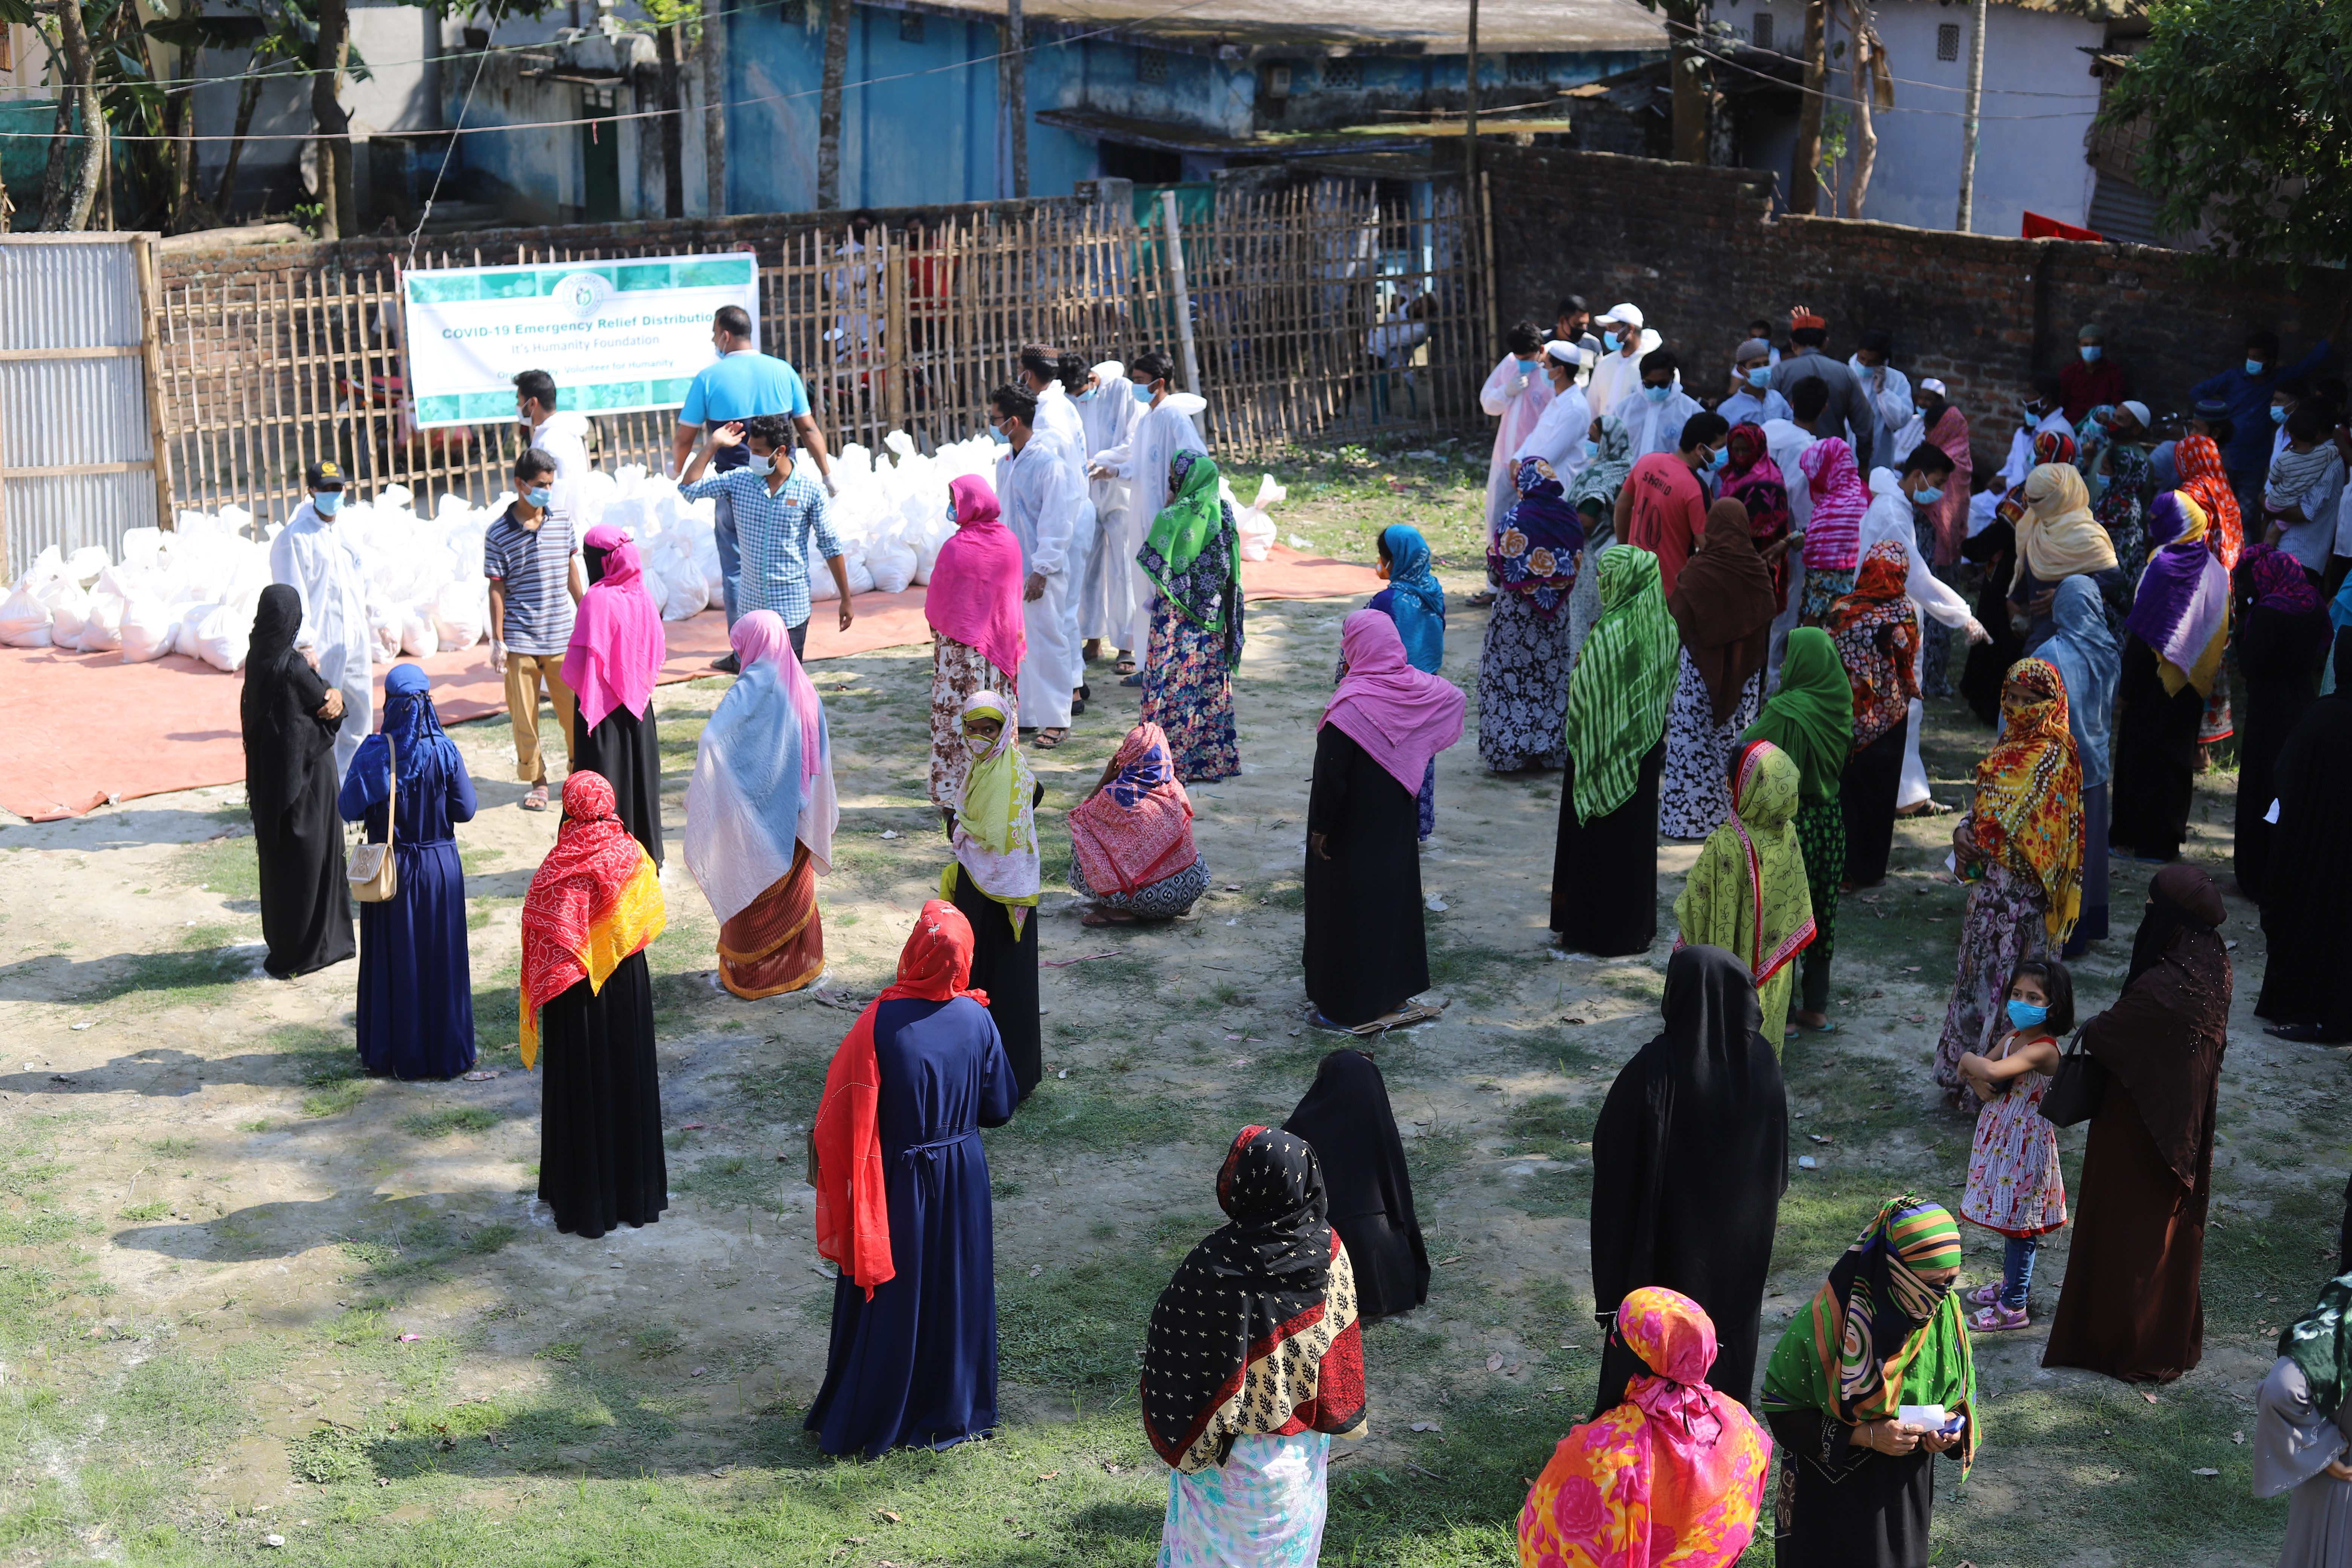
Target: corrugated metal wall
73,395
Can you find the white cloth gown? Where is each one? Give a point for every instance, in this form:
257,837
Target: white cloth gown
1890,517
310,556
1043,499
1106,588
1656,428
1157,436
1516,395
1557,435
563,436
1059,413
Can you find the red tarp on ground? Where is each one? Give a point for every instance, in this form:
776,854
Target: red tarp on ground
78,730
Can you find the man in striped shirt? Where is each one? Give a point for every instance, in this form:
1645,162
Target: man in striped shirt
535,581
778,509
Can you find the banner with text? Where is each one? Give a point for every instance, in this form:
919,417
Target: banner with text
618,336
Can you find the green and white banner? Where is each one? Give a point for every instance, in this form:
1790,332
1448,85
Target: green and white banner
617,336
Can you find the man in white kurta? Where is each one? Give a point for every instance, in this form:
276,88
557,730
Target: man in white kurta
1625,342
1038,489
1164,430
1107,412
1891,518
1560,432
1057,415
562,434
1516,395
322,565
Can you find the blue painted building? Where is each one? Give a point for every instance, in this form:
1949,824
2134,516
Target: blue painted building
1157,97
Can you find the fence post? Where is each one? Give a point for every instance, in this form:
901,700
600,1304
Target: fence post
142,250
1183,302
898,357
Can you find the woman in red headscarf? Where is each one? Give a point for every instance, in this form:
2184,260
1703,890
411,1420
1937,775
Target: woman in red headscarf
616,657
973,603
902,1204
594,907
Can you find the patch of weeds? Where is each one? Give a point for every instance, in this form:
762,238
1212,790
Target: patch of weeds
1438,1150
1082,1327
1286,895
171,1148
728,1179
329,1455
449,1119
560,1350
174,979
491,1238
226,865
1064,1114
476,861
1549,1124
660,1340
1555,1048
142,1214
1459,965
1001,1189
260,1124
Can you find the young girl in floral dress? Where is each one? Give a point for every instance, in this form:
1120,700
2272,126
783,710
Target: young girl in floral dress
2014,1184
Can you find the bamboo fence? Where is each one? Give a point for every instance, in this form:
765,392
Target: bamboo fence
1320,314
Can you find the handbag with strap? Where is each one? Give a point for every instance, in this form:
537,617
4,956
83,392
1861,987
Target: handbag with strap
2078,1087
373,873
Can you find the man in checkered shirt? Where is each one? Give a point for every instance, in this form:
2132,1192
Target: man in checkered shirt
777,510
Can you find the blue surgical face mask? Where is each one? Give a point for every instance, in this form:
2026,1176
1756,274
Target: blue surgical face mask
2256,367
1613,341
2278,415
1526,362
1760,377
326,503
2025,1015
1929,496
1086,397
762,466
2090,352
539,498
996,434
1657,394
1717,458
1592,448
1142,391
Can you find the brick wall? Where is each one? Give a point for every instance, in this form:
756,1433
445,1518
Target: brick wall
1698,249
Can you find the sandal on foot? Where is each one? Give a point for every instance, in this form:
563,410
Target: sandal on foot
1125,666
1130,680
537,799
1048,739
1985,1295
1998,1319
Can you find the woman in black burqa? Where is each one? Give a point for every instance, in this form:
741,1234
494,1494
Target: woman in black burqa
289,718
2307,916
1347,1119
1689,1160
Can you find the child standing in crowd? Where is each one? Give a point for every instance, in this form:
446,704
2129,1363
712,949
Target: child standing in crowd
2014,1184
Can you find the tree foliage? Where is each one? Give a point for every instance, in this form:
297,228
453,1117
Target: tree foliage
2247,107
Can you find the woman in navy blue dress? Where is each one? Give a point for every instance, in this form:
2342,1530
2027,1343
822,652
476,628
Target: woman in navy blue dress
416,989
902,1204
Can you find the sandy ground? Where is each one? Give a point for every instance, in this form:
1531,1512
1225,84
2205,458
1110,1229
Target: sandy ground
227,1197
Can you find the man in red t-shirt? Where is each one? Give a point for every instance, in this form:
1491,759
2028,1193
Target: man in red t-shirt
1661,506
2089,378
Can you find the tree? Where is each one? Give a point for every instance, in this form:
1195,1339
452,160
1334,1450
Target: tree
2245,130
77,143
828,102
669,23
1804,177
1687,74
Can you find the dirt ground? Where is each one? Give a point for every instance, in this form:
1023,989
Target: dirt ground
252,1302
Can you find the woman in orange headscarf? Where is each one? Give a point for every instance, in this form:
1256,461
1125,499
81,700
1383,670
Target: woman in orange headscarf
902,1204
594,907
1674,1474
2198,455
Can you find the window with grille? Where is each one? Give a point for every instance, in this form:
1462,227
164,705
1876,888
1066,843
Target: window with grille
1947,41
1151,64
795,13
1342,72
910,26
1524,70
1761,29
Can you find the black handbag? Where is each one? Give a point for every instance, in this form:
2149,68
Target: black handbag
2078,1086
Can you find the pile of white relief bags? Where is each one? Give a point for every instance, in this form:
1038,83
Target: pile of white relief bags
194,590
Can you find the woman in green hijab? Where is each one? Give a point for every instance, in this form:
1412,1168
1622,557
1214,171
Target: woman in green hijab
2302,1430
1747,893
1193,555
1811,718
1604,868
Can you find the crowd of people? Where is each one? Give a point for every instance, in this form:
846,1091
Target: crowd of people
1716,610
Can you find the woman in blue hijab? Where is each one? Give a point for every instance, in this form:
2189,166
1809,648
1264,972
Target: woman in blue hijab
416,989
1416,602
2089,660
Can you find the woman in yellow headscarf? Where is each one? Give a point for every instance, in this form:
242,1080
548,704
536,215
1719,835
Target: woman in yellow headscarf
2058,538
1747,893
2179,625
2025,832
996,877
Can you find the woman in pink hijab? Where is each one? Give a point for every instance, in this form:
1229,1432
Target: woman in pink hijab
973,603
1365,952
615,655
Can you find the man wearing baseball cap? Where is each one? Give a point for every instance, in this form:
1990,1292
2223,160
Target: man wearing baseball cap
1848,413
1623,341
321,563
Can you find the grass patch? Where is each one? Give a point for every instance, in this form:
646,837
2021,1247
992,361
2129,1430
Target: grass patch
142,1214
226,865
1065,1114
447,1120
660,1340
174,979
1082,1327
1550,1124
727,1180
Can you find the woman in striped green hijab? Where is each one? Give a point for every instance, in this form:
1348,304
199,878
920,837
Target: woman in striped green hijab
1857,1483
1604,878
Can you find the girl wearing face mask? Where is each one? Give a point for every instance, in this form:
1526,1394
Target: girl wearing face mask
995,878
2015,1186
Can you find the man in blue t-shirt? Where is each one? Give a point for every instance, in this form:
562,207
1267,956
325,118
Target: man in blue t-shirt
744,385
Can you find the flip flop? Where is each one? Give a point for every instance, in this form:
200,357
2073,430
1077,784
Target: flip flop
1132,680
1048,739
